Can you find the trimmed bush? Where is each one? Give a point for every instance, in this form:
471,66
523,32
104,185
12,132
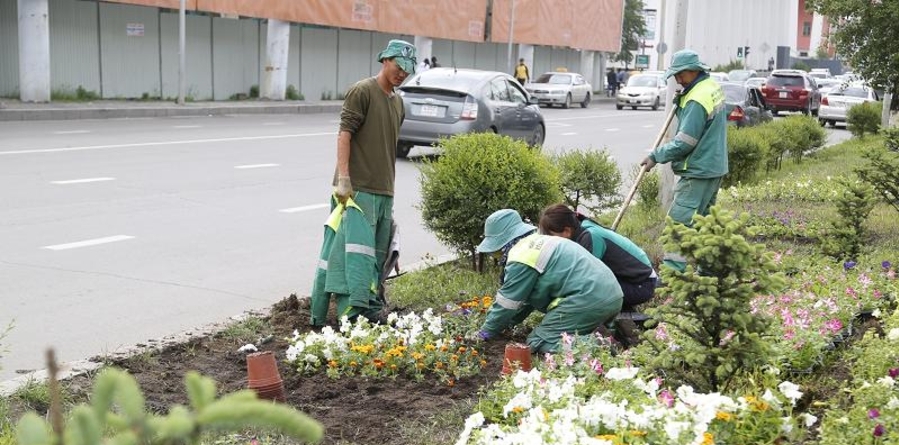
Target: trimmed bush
747,148
882,173
891,138
476,175
590,179
864,118
648,189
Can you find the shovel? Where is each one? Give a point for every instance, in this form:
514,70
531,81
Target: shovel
643,170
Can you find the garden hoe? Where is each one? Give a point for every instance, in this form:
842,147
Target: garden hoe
643,170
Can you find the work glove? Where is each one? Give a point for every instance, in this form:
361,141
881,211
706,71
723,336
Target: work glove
648,163
344,189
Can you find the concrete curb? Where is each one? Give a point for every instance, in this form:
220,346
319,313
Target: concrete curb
49,112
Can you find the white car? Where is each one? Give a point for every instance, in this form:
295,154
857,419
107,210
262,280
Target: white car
561,89
642,90
756,82
840,99
720,77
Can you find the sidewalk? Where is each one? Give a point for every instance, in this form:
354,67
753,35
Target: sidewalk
14,110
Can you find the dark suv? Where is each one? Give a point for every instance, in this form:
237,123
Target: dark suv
792,90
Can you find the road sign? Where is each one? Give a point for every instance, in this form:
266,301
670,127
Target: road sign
662,47
642,61
739,52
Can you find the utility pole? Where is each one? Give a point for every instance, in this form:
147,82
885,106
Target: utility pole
182,59
660,47
887,104
511,31
678,42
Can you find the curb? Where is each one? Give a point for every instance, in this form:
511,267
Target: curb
48,113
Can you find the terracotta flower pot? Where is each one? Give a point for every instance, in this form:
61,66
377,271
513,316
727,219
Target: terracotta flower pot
518,356
263,376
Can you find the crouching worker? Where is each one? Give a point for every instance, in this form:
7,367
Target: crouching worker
347,267
553,275
628,262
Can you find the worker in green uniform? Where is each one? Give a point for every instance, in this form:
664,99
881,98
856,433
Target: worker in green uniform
626,260
553,275
698,151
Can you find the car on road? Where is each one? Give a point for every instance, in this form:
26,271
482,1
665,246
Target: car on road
840,99
642,90
791,90
825,85
757,82
740,75
744,105
719,77
820,73
444,102
561,89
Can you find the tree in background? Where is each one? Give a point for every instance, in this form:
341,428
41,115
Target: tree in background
865,35
632,30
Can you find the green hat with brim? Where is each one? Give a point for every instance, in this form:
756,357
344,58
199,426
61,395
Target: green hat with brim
402,52
685,60
502,227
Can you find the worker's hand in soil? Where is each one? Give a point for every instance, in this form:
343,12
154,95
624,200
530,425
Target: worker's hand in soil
344,188
648,163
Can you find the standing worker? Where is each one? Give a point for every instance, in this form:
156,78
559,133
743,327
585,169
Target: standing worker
553,275
522,74
626,260
364,179
698,152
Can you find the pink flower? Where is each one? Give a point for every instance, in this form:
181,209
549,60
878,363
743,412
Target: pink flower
727,336
894,372
666,398
879,430
596,366
834,325
661,332
851,292
549,361
873,413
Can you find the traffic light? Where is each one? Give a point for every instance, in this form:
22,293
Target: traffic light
746,51
739,52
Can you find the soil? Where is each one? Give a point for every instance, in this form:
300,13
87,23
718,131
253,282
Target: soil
352,410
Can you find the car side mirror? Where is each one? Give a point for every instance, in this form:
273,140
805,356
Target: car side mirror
532,100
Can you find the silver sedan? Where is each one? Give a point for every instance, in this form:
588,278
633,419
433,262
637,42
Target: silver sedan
561,89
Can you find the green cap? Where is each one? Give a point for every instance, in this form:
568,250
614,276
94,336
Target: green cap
685,60
502,227
401,51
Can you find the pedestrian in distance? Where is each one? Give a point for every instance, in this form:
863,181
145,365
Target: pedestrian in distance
624,258
698,151
611,83
425,65
550,274
364,185
522,74
434,63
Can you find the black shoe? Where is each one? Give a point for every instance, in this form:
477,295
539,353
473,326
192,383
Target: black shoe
626,332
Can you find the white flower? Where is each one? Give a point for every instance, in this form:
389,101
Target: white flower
249,347
876,313
473,421
621,373
291,354
886,381
790,390
807,419
786,424
893,335
674,429
769,397
893,403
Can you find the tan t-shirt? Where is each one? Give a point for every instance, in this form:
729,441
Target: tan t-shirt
373,118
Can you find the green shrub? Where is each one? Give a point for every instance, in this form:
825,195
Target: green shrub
747,148
709,313
800,65
254,91
804,134
476,175
648,189
589,178
891,137
292,93
854,203
882,173
864,118
732,65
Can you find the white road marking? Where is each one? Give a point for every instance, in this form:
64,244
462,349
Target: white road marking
612,129
72,132
595,116
269,124
648,126
570,133
90,242
163,143
305,208
551,124
255,166
81,181
186,126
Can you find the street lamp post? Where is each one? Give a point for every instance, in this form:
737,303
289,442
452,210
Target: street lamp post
511,31
182,70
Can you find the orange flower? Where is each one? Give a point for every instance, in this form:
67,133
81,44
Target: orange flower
483,363
444,348
474,352
451,382
332,364
454,357
392,367
462,349
438,365
378,363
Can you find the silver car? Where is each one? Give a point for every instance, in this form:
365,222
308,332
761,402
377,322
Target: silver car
642,90
840,99
444,102
561,89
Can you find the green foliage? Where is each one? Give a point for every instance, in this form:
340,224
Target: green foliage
729,66
633,30
882,173
891,138
117,414
854,204
709,309
245,331
254,91
293,94
794,135
800,65
866,36
589,178
476,175
648,189
35,395
428,288
864,118
79,95
747,149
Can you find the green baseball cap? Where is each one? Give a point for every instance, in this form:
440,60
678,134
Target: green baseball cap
501,227
685,60
401,51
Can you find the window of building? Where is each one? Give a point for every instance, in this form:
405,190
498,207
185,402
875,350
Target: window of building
806,29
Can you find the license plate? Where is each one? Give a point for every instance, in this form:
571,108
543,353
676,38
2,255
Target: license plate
784,94
429,111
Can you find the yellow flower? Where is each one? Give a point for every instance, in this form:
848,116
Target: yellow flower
518,410
708,439
637,433
332,364
609,437
430,347
721,415
417,356
353,363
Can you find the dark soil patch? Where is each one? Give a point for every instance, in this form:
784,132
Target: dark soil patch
352,410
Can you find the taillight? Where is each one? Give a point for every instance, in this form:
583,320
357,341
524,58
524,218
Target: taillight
766,89
469,109
736,114
803,93
824,100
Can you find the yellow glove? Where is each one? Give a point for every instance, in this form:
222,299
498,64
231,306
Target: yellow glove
344,189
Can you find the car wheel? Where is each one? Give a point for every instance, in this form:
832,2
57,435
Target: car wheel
586,102
633,108
822,122
775,112
833,124
619,107
808,108
567,103
538,136
402,150
655,106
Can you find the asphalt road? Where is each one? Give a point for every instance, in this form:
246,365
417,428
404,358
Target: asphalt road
114,232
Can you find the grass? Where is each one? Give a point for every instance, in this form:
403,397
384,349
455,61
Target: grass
436,286
248,330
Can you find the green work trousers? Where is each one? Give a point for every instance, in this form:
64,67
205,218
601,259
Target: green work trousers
579,315
691,196
378,211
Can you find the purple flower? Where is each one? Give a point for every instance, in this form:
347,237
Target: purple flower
849,265
894,372
879,430
873,413
885,264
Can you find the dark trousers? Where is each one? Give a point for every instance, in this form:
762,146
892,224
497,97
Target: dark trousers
637,293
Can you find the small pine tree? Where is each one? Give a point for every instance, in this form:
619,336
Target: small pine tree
709,312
